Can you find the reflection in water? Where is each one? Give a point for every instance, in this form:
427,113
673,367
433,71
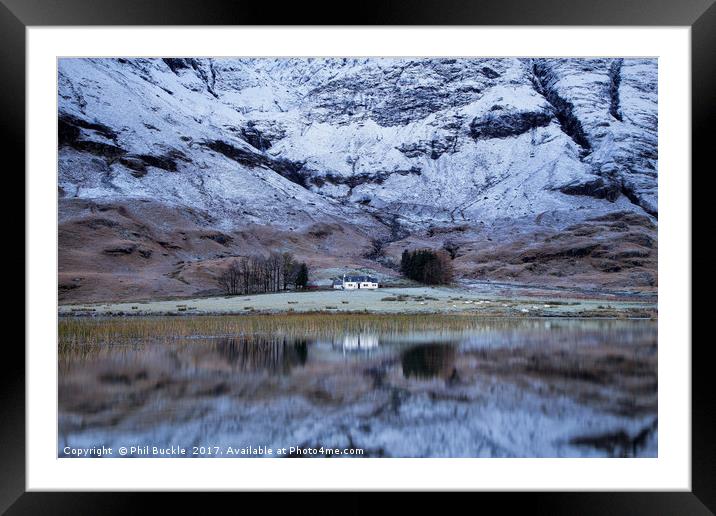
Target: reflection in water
276,355
429,361
511,387
360,341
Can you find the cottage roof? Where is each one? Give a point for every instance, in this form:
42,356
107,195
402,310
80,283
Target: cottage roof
361,279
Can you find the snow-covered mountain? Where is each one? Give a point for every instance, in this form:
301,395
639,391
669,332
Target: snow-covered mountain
348,161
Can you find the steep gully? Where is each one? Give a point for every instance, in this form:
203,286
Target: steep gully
602,186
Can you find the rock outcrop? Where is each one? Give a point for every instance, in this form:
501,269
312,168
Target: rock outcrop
374,144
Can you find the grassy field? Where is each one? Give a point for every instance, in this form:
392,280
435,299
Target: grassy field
380,301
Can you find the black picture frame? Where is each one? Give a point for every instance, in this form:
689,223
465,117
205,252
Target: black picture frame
700,15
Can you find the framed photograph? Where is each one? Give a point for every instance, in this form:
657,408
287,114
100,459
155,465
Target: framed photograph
447,247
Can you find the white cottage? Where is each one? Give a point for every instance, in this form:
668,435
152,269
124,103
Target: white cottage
355,283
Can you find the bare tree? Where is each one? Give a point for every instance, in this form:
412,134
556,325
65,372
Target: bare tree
256,274
230,279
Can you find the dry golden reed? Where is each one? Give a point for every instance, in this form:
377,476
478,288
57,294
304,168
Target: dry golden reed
95,331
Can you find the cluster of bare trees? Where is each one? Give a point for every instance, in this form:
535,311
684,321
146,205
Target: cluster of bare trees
257,274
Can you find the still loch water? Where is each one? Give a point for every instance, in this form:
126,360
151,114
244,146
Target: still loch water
364,385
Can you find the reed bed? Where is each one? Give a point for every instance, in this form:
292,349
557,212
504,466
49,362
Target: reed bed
87,331
84,331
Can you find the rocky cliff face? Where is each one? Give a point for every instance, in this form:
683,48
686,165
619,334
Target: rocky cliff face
345,161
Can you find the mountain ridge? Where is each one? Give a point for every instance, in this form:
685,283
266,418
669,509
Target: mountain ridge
384,151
